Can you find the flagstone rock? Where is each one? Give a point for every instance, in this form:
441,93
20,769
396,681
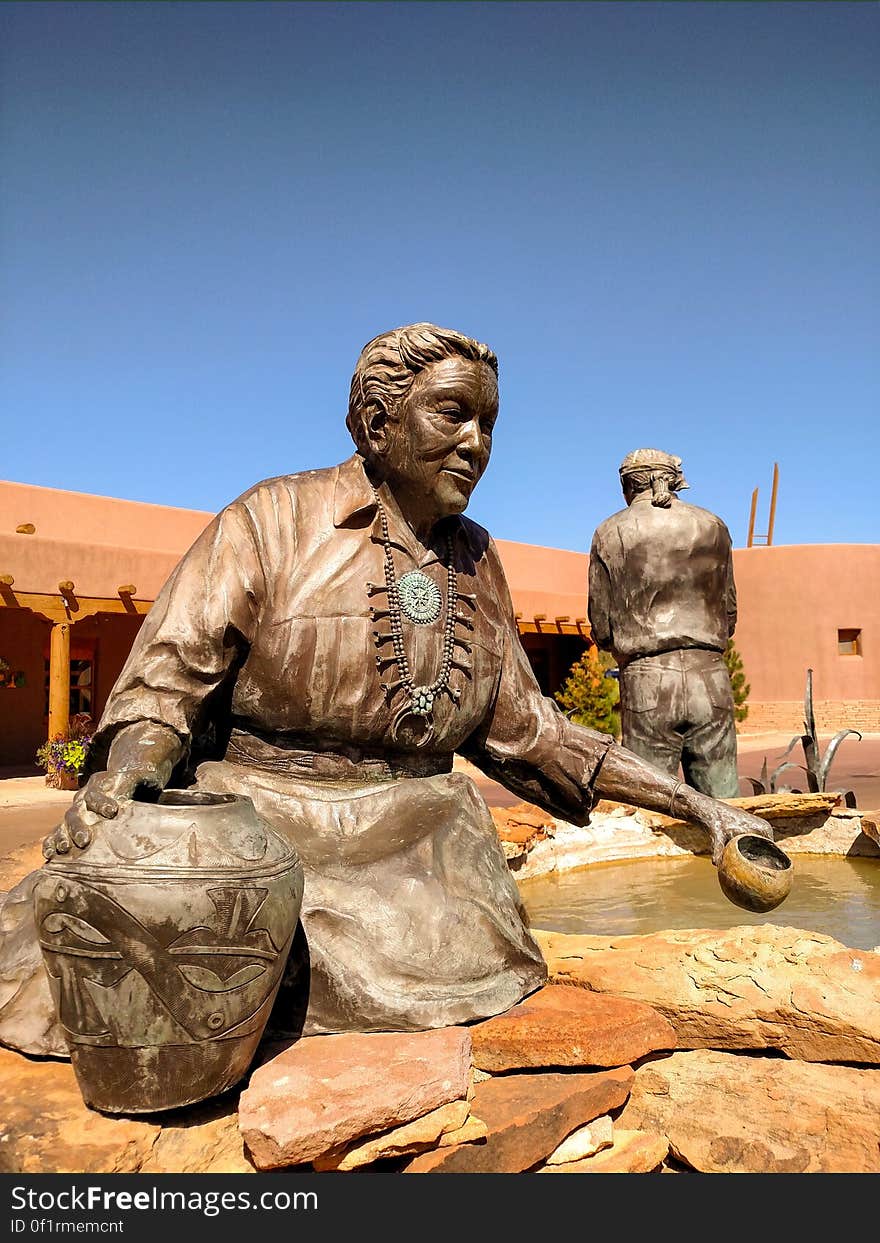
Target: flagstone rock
326,1091
633,1152
566,1026
762,987
523,825
46,1129
584,1142
527,1117
728,1113
802,824
400,1141
870,822
473,1129
202,1139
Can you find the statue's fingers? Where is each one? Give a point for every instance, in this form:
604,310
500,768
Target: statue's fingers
99,801
49,847
62,840
82,837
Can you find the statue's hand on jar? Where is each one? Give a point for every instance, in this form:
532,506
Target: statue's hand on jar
142,757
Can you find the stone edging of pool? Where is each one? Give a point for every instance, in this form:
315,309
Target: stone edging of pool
536,843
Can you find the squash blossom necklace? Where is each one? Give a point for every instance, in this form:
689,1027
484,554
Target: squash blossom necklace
419,597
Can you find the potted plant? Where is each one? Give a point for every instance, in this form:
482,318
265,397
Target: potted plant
64,756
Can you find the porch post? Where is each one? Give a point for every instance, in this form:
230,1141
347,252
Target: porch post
59,678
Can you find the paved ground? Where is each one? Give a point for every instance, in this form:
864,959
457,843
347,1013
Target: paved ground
29,808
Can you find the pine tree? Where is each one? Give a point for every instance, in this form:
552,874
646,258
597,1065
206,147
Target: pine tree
588,696
738,683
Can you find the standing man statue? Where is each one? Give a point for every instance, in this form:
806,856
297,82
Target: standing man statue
325,648
662,599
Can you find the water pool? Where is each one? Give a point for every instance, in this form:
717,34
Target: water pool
838,897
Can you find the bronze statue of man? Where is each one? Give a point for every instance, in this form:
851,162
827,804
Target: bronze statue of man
326,646
662,599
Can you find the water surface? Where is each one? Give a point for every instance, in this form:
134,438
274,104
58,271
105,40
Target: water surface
839,897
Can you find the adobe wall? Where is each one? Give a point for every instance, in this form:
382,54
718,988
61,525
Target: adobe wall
24,643
793,599
88,519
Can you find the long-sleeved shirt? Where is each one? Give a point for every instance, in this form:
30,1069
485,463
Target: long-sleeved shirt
266,622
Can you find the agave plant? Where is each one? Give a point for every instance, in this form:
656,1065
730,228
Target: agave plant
817,765
768,785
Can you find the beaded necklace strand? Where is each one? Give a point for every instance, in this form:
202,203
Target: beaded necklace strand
419,700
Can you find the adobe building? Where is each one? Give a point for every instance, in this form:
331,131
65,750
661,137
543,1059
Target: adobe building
78,573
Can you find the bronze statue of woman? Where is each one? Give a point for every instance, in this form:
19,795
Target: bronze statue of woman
326,647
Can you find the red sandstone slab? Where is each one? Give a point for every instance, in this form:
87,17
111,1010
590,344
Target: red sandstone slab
326,1091
563,1025
527,1117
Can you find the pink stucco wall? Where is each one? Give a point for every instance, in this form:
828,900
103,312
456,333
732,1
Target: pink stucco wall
793,599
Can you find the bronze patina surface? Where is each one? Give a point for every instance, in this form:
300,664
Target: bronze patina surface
289,659
165,944
662,599
754,873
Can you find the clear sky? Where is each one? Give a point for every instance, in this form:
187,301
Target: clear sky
663,218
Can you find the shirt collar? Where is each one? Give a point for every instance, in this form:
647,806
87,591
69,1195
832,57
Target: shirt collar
353,496
355,505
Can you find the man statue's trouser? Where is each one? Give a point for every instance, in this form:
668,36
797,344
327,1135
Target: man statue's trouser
677,707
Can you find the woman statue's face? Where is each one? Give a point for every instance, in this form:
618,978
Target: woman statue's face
436,448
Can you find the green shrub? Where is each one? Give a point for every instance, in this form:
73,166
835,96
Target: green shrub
590,698
738,683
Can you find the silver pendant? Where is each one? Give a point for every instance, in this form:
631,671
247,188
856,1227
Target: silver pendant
411,726
420,597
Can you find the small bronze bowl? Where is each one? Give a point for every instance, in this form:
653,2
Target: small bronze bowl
754,873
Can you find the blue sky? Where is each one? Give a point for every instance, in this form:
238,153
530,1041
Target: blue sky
663,217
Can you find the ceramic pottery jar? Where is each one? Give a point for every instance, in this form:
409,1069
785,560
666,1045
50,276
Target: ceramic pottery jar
754,873
165,942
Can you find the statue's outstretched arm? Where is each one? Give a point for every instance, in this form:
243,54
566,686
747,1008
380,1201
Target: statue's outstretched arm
627,778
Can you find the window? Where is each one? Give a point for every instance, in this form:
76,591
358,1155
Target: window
849,642
80,687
